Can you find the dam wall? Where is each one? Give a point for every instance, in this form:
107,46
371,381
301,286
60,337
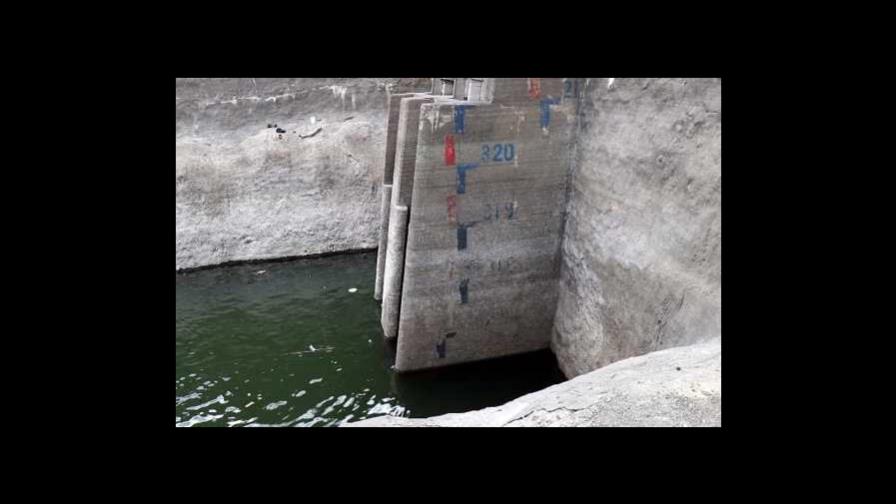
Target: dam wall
478,193
482,257
243,191
509,215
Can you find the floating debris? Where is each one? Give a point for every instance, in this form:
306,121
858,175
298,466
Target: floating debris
353,290
313,349
315,380
261,272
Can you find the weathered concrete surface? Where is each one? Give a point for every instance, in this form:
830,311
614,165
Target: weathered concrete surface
641,266
483,247
402,188
385,210
392,276
677,387
393,109
243,191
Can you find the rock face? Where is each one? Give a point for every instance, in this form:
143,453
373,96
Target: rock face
677,387
246,191
641,258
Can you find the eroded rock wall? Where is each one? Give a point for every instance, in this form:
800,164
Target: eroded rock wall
244,191
641,255
677,387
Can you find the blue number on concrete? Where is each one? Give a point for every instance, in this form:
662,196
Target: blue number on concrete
499,153
572,88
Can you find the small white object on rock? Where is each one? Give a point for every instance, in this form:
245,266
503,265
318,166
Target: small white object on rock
353,290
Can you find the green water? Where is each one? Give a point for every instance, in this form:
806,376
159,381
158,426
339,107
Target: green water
288,344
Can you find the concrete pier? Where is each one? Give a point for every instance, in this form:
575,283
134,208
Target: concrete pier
393,107
483,181
392,278
384,239
402,188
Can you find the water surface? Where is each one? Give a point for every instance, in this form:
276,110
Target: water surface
299,344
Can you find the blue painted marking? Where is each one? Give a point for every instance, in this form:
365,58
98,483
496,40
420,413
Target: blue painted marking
459,111
463,290
546,110
461,237
462,176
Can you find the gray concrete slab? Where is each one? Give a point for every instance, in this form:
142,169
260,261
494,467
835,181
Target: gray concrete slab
482,255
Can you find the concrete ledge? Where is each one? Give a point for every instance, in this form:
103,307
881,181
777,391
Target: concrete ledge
677,387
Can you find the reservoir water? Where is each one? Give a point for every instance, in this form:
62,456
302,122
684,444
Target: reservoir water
299,343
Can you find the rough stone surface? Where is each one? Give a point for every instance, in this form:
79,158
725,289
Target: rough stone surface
641,260
244,191
677,387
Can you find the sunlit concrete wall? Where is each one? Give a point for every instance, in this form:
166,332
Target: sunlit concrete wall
483,243
244,191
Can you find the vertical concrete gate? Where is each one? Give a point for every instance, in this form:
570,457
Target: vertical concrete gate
474,191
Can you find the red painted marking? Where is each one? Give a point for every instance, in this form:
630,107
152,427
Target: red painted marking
449,150
452,209
534,88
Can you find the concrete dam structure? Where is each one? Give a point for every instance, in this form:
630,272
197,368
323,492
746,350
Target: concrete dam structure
509,215
476,195
469,256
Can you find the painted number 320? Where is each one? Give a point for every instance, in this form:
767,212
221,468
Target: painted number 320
497,153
